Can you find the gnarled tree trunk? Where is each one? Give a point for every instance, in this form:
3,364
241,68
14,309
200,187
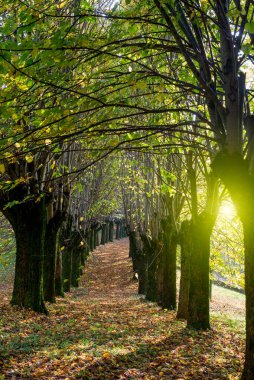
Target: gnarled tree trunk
50,255
28,220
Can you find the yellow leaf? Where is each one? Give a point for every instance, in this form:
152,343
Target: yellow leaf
2,168
48,142
53,165
62,4
22,86
29,158
106,355
35,52
14,116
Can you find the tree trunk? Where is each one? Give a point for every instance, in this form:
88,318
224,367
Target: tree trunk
97,240
107,233
29,222
248,230
49,267
122,231
59,289
76,266
198,312
133,249
151,249
132,243
103,233
91,240
87,248
111,231
234,172
117,230
166,278
185,242
67,268
83,255
142,272
50,255
94,232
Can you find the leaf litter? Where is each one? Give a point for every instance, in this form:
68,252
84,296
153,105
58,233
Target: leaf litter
104,330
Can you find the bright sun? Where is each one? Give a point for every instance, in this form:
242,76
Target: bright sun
227,209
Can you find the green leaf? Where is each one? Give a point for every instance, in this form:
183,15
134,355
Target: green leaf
249,27
246,49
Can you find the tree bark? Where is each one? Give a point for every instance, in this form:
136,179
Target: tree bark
59,290
151,249
91,240
117,230
97,240
29,222
67,268
103,233
142,272
49,267
50,255
83,255
234,172
94,232
76,267
185,242
248,228
198,311
107,233
122,230
133,248
166,278
111,231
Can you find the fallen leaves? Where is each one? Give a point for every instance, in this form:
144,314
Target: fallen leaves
104,331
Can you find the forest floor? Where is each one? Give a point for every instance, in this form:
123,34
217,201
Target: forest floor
104,330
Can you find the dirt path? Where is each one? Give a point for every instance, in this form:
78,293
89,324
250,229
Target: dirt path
108,272
109,275
104,330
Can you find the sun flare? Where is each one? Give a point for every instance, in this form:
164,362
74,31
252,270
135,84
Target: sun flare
227,210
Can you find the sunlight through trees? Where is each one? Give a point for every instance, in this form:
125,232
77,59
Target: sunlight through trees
126,118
